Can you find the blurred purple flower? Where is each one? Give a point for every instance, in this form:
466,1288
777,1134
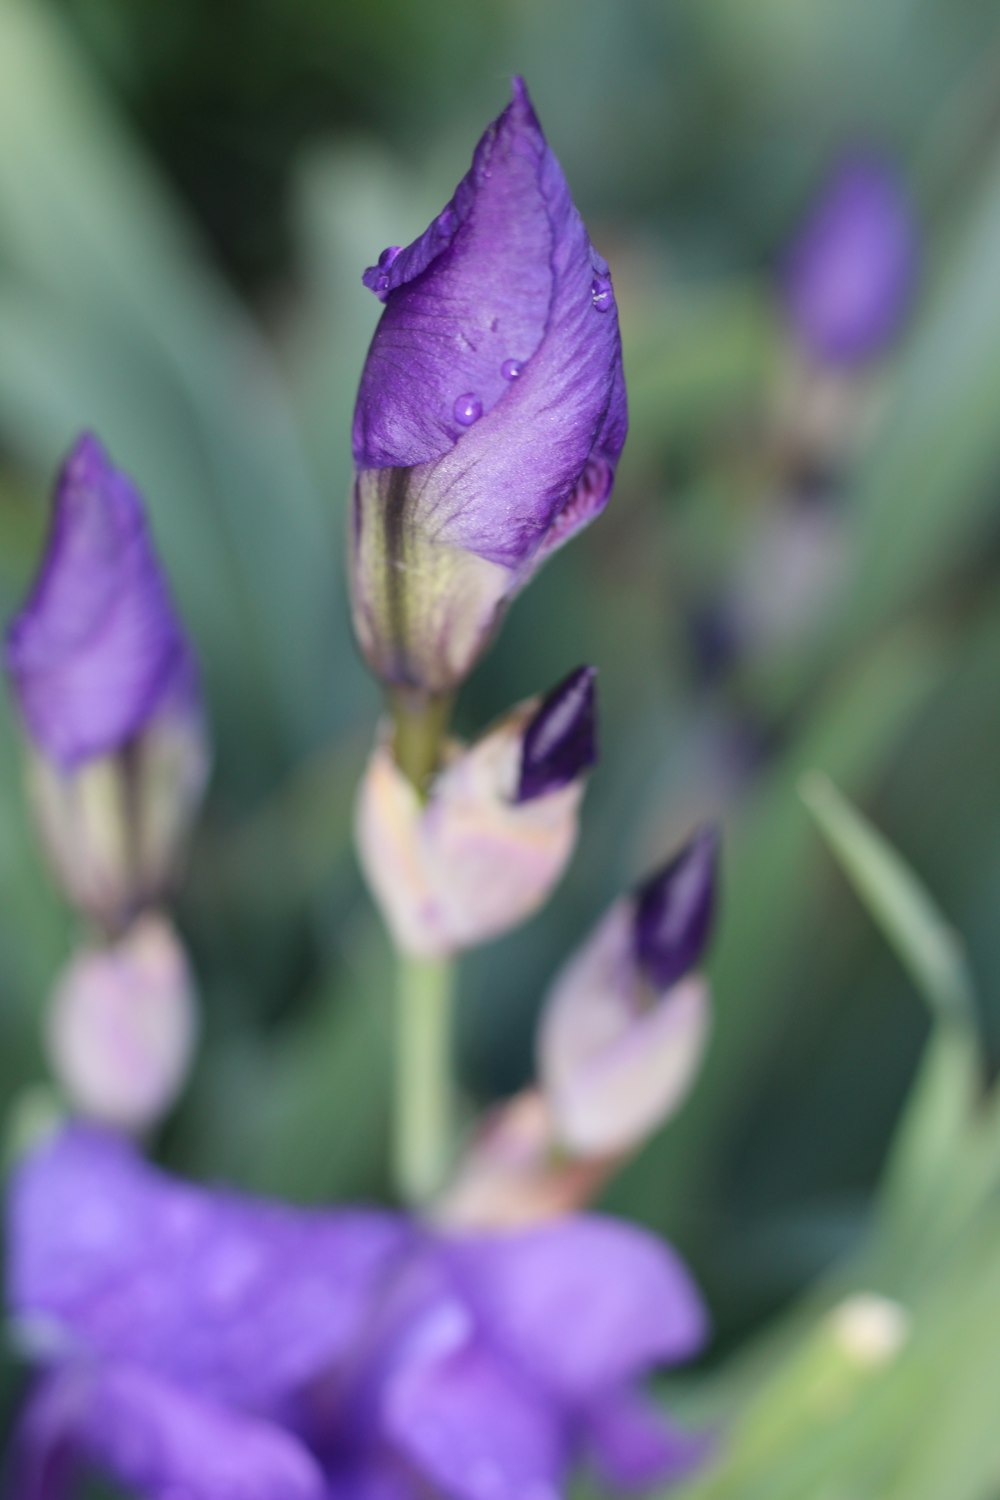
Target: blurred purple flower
851,272
491,411
107,687
97,652
191,1341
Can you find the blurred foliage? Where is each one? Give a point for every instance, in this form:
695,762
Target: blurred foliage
188,194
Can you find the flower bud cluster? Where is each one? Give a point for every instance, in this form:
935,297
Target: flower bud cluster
106,684
490,418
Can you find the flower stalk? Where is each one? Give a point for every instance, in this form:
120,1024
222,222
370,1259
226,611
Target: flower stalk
423,1127
424,1110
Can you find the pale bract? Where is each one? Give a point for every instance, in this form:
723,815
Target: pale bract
123,1025
616,1057
471,862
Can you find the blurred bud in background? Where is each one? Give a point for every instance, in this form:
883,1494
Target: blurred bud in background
123,1025
850,275
491,411
625,1025
107,688
495,833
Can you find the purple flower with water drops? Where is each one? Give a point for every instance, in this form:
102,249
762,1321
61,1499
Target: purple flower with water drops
193,1341
491,412
107,687
851,273
625,1025
484,848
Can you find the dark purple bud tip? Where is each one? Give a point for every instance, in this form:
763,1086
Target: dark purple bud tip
560,742
674,910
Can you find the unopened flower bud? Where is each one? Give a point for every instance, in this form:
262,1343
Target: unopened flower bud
122,1027
491,412
495,833
514,1172
624,1027
107,688
851,273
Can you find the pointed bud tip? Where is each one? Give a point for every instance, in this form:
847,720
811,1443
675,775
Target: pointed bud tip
560,741
674,910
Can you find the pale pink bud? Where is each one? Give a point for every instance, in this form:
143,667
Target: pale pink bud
122,1027
515,1173
617,1054
495,833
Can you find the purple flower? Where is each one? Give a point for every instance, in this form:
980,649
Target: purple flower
851,273
192,1341
97,651
491,412
107,687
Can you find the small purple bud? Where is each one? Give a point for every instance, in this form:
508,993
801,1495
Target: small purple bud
97,650
560,741
674,910
107,687
850,276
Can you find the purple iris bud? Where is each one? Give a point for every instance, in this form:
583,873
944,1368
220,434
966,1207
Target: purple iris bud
674,911
491,411
560,742
191,1341
107,688
97,650
851,273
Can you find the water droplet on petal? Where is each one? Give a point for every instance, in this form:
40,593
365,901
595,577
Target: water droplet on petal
511,369
468,409
602,294
388,255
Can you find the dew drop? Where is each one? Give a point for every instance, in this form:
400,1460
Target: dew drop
511,369
601,293
467,409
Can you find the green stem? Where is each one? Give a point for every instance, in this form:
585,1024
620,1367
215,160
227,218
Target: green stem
420,724
423,1127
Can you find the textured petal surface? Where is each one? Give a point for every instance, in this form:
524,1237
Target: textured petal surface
634,1447
581,1305
851,273
474,1429
129,1425
234,1298
495,372
97,648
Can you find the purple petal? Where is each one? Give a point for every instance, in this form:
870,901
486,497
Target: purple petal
97,648
560,742
634,1447
851,273
243,1300
505,278
126,1424
473,1428
674,911
45,1454
584,1304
